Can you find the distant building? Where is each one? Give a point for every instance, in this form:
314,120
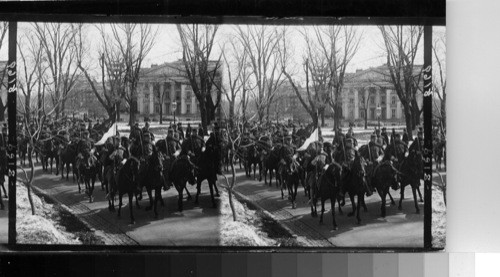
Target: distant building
170,81
82,102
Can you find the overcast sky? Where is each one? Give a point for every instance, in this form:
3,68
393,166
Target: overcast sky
167,46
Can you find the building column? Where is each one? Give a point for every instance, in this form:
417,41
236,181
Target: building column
377,97
345,105
183,99
140,97
193,104
399,111
172,95
151,100
162,103
388,110
356,104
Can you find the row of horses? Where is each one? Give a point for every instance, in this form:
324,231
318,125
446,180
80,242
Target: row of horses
324,182
129,177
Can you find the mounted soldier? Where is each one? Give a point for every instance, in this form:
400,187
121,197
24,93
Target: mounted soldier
395,152
85,150
145,129
135,133
172,146
215,142
418,144
192,148
385,136
371,152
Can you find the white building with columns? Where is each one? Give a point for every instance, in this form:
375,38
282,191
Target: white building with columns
365,90
162,85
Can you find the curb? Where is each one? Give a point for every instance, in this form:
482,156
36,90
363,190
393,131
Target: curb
270,215
43,193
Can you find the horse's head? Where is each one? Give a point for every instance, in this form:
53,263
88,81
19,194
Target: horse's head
132,166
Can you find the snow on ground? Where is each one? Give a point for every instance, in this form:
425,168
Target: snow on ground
438,219
245,231
41,228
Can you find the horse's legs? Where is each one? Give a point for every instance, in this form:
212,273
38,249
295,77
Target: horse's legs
400,206
210,186
332,200
120,195
360,200
393,203
179,201
131,204
353,204
5,195
382,194
198,191
188,194
150,195
215,187
419,193
363,203
322,211
260,172
340,206
157,198
414,190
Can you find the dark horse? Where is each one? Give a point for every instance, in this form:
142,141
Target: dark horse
151,178
411,173
125,182
270,163
252,160
207,170
291,176
355,184
385,176
22,146
87,173
182,172
67,154
328,188
49,151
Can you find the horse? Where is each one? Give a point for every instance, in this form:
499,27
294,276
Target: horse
291,177
439,151
182,171
49,151
151,178
253,159
87,172
411,172
22,146
125,182
207,171
67,154
167,160
385,176
355,184
270,162
328,188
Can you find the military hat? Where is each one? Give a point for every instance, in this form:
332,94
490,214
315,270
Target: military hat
397,135
179,124
327,144
420,133
384,129
349,140
373,136
348,136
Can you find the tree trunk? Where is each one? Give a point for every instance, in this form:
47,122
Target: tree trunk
231,114
323,118
117,112
133,112
366,119
230,188
161,113
443,115
28,182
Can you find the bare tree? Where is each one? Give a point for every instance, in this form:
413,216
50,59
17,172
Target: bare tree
161,95
329,50
111,88
261,45
202,72
236,73
58,42
439,51
34,112
401,46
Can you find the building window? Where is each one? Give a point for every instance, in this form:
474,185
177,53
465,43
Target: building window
157,108
393,100
351,113
372,99
188,109
362,113
351,100
393,113
382,98
372,113
146,98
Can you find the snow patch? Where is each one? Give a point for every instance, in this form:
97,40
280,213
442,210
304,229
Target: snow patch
245,231
438,219
41,228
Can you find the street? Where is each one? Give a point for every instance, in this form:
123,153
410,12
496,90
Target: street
198,225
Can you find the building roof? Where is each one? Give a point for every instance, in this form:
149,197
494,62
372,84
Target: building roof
378,76
171,71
